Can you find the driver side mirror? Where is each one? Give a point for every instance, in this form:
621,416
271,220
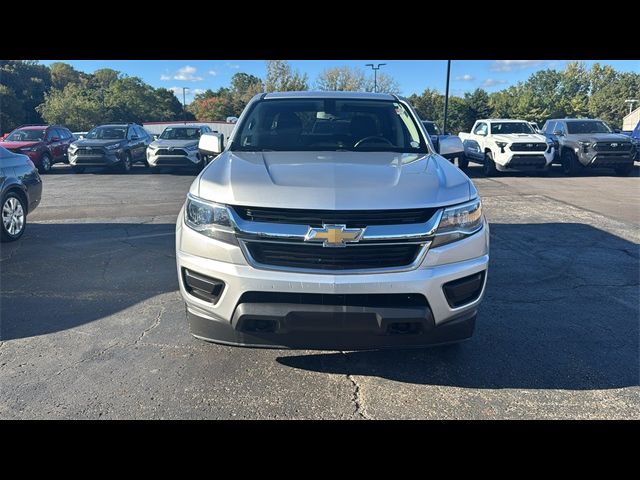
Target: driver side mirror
558,133
616,130
211,143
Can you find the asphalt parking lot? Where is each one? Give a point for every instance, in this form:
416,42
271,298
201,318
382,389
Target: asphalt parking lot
92,324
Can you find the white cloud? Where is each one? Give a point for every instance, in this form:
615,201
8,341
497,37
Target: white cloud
465,78
509,65
233,66
492,82
213,73
196,91
187,74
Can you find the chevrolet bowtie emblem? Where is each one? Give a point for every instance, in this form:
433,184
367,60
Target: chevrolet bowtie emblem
334,235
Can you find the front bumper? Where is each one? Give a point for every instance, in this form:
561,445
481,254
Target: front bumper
105,159
335,325
523,161
190,160
605,159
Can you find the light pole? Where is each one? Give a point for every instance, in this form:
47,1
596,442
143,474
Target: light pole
631,101
446,99
184,104
375,74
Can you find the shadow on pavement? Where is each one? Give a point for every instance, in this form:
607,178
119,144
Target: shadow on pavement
561,312
59,276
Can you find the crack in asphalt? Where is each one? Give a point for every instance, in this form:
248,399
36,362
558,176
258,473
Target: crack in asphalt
155,323
12,252
356,396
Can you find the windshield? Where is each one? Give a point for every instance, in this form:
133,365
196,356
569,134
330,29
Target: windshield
182,133
30,135
432,128
588,127
107,133
329,125
511,127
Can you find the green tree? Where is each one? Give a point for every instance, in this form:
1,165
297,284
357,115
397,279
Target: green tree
243,88
282,78
385,84
342,79
11,111
75,107
63,74
28,80
210,106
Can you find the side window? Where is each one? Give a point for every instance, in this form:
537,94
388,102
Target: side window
560,126
131,132
140,132
50,134
61,134
481,129
548,127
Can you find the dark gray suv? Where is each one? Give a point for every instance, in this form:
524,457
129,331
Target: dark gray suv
586,142
116,144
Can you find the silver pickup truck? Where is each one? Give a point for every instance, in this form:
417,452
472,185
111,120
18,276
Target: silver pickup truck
329,222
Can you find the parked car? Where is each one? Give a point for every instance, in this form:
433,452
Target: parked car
507,145
635,139
110,145
79,135
452,147
177,146
589,143
336,238
43,144
535,127
20,192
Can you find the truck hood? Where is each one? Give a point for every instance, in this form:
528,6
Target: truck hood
333,180
173,143
520,138
599,137
13,145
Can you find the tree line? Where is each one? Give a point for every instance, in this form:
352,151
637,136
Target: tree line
33,93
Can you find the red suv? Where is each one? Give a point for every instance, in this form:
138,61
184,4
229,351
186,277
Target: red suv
43,144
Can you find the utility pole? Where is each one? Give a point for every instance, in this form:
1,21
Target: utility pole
375,74
446,99
184,104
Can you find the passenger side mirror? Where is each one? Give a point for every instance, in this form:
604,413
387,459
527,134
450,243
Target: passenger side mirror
616,130
451,147
211,143
558,133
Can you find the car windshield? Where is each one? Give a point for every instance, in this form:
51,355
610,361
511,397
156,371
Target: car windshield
182,133
432,128
27,135
107,133
329,125
510,127
588,127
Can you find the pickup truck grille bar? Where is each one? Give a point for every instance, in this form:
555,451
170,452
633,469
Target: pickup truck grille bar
528,147
350,218
613,147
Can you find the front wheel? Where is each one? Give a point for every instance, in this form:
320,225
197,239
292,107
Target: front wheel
45,164
14,218
125,166
569,161
489,166
463,162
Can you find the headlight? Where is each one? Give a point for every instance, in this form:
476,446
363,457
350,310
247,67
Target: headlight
209,218
501,145
72,148
584,145
459,222
113,147
192,147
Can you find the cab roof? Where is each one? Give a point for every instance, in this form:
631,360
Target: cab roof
331,94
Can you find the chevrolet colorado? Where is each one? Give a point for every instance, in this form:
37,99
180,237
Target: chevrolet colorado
328,222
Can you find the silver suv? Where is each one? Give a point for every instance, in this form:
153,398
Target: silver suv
329,222
177,146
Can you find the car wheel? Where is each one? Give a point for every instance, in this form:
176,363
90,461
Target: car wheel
78,169
125,165
569,162
45,164
14,218
463,162
489,166
624,170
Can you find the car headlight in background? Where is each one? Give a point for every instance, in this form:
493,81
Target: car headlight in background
209,218
501,145
458,222
72,148
113,147
584,145
192,148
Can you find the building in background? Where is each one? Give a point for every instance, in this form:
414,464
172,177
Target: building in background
630,121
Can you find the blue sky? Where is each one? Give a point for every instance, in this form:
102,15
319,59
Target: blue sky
412,75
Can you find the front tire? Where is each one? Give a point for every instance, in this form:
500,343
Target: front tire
13,217
489,166
45,163
570,164
125,165
463,162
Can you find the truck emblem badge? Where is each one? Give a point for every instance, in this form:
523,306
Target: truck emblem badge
529,145
334,235
614,145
